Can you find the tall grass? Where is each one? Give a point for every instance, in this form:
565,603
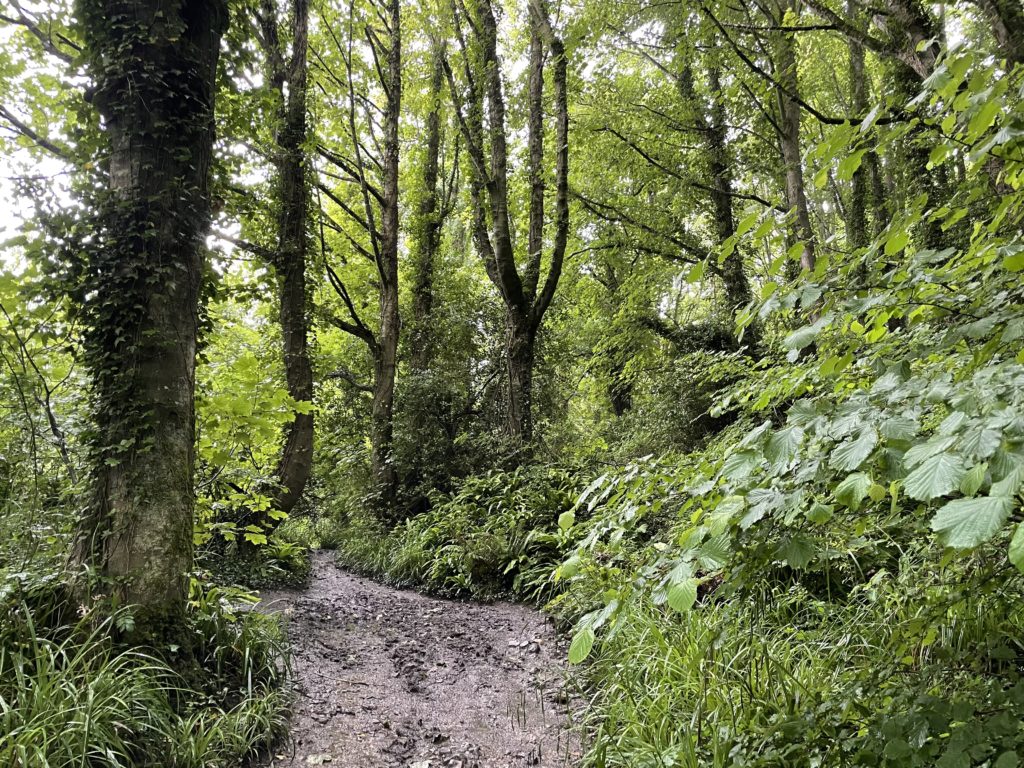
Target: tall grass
781,678
70,698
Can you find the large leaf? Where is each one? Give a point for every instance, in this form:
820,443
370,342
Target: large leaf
934,477
926,450
851,454
682,595
966,523
797,551
580,647
853,489
783,445
1016,552
740,464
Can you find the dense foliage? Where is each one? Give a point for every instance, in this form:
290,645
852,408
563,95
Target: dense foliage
699,324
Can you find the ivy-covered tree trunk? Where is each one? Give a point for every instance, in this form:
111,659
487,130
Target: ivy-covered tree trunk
857,208
1006,17
734,276
519,358
296,461
153,64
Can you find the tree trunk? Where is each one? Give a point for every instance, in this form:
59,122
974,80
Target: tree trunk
789,138
385,359
519,359
526,299
296,460
734,276
857,210
154,65
429,230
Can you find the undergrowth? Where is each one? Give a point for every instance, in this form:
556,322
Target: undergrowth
497,534
71,695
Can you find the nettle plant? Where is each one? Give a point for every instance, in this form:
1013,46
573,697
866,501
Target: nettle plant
902,397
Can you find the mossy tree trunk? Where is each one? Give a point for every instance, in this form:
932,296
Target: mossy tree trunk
288,77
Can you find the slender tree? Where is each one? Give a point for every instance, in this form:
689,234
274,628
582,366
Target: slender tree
153,65
370,162
288,77
787,90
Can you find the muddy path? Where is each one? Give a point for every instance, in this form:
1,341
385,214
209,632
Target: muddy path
390,678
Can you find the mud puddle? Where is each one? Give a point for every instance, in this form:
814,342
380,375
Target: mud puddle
387,678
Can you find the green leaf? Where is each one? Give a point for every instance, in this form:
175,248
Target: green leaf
973,479
900,428
936,476
1016,553
740,464
980,442
682,595
1010,483
797,551
581,645
1014,263
569,568
983,118
966,523
747,223
851,454
851,492
566,520
714,553
803,336
850,164
897,242
820,513
782,446
922,451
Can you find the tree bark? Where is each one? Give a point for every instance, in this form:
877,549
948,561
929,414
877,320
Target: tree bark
296,460
153,64
857,211
428,235
1006,17
385,359
789,139
734,276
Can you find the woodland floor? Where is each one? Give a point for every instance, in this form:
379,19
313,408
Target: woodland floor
387,678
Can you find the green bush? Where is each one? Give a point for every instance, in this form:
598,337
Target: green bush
498,534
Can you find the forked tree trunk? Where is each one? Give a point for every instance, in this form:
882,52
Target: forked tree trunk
154,65
428,234
525,296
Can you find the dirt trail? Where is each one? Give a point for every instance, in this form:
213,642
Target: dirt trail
387,678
